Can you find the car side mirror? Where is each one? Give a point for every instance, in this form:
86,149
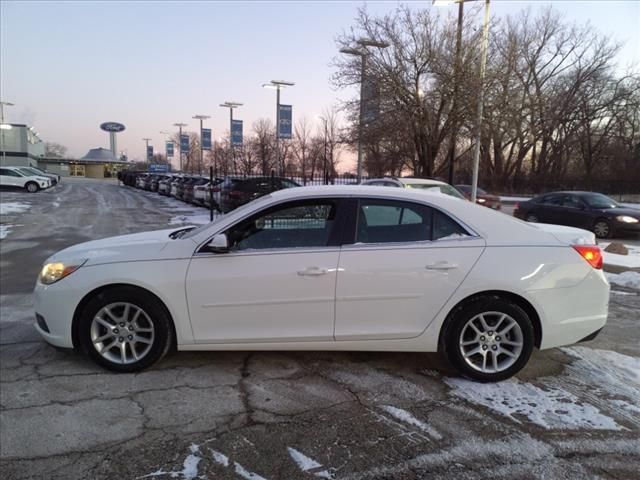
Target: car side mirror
219,244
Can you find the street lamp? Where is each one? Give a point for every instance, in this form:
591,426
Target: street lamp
146,150
231,106
362,52
180,125
164,132
277,85
480,107
201,118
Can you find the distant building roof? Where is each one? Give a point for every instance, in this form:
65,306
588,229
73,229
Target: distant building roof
99,155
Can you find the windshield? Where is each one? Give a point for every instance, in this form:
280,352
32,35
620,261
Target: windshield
597,200
28,172
443,188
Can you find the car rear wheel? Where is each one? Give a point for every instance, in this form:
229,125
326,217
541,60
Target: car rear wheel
32,187
532,218
125,329
489,340
602,229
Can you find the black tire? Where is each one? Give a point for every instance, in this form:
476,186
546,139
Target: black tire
162,337
31,187
602,228
532,218
455,333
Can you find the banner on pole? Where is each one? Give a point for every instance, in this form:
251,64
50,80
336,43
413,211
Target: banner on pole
286,117
169,148
184,143
236,132
205,135
158,168
149,152
370,100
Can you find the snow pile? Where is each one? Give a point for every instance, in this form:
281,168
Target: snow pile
630,261
13,207
5,230
307,464
625,279
608,380
189,467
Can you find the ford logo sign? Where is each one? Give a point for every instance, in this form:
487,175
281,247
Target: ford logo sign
112,127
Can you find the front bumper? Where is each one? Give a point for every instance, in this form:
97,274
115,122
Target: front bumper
56,303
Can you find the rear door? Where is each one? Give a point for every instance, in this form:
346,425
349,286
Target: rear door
404,262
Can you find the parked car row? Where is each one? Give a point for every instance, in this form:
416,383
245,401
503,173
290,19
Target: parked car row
30,179
225,193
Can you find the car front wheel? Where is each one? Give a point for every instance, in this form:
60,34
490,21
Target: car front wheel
602,229
32,187
125,330
490,339
532,218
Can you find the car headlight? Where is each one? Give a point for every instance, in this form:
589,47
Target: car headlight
52,272
626,219
481,200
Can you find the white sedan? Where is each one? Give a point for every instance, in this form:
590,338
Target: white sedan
329,268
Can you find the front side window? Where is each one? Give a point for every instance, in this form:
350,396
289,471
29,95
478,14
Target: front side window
293,225
392,221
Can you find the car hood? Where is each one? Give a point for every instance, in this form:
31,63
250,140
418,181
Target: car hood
124,248
632,212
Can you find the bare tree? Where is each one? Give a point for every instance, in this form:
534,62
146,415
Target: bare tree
54,150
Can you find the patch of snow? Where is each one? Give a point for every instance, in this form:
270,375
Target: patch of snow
632,260
220,458
406,417
189,467
625,279
631,205
569,235
550,408
304,463
13,207
514,199
197,219
609,381
5,229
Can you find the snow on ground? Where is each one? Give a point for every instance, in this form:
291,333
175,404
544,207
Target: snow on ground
13,207
631,205
192,219
5,230
625,279
406,417
514,199
189,467
630,261
610,381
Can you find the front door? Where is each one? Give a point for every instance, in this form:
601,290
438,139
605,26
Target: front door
276,283
406,262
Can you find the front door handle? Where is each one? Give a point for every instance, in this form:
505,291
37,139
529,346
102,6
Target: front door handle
313,272
441,266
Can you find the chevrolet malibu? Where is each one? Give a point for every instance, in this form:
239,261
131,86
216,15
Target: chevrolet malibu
329,268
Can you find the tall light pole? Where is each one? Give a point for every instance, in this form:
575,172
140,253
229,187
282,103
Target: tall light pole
480,106
4,127
231,106
362,52
278,84
146,149
201,118
180,125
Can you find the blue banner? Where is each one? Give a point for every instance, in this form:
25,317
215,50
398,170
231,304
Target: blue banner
286,117
169,149
158,168
184,143
149,152
236,132
205,136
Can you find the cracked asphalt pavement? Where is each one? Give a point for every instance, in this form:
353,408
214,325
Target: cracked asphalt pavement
572,413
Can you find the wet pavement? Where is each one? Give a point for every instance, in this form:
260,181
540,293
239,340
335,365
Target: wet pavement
572,413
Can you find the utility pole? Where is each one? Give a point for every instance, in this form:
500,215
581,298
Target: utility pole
201,118
146,151
180,125
231,106
277,85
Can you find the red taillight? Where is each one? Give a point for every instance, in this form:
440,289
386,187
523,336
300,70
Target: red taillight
517,206
591,253
235,194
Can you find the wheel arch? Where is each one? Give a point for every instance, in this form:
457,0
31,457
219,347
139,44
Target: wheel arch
515,298
75,323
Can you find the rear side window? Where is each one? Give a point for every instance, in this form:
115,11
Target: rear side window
391,221
552,200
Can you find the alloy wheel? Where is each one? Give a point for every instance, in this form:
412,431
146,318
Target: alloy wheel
601,229
122,333
532,218
491,342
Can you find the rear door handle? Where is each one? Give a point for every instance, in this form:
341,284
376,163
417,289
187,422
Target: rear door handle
441,266
313,272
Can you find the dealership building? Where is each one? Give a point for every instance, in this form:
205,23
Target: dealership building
20,145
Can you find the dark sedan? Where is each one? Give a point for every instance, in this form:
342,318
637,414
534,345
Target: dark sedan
588,210
482,197
238,191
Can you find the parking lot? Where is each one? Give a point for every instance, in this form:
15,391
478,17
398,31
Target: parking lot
572,413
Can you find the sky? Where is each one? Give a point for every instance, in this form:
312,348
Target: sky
69,66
